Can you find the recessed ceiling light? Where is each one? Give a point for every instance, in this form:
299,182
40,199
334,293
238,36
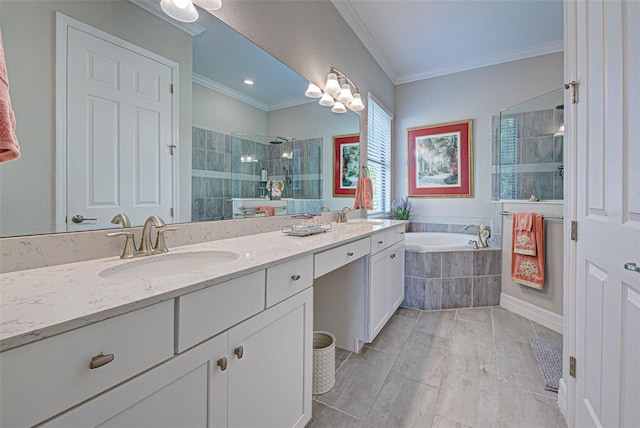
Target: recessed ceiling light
248,82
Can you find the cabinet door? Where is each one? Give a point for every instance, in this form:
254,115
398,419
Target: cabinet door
189,390
396,276
378,298
270,366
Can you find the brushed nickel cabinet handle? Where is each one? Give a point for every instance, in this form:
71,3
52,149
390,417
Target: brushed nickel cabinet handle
380,242
349,254
393,256
239,351
222,363
295,277
100,360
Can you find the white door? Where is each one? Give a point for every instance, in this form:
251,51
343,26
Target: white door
119,132
607,384
378,296
396,277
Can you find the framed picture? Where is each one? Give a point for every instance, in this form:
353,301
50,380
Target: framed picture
346,164
440,160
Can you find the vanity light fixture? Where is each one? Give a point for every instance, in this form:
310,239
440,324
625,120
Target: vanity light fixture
185,11
339,93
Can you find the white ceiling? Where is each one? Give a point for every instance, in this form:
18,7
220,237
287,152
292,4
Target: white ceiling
419,39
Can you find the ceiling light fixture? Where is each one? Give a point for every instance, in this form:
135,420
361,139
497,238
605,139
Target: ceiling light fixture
185,11
339,93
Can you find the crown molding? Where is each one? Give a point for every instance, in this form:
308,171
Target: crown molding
530,52
232,93
352,19
154,8
288,104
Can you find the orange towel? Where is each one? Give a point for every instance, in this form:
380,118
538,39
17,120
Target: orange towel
269,211
524,236
525,269
358,196
9,148
364,194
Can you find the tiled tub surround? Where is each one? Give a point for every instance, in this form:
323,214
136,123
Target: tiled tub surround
39,303
218,172
452,279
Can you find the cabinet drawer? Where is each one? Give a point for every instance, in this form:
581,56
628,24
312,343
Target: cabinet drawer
289,278
395,234
379,241
205,313
44,378
330,260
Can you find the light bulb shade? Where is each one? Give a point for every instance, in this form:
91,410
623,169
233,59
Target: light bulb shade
326,100
209,4
182,14
356,103
313,91
332,86
339,108
345,96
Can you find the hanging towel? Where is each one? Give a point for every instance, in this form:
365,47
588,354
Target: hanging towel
367,193
9,148
357,203
525,269
269,211
524,236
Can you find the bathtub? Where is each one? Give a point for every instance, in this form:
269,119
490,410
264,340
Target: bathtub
434,241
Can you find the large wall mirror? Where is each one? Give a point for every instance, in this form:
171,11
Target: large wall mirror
208,147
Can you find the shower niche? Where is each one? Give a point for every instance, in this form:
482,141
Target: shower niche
527,149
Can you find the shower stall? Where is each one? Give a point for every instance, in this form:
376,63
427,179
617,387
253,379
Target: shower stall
528,149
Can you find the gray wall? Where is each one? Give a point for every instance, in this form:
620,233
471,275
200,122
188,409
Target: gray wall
477,94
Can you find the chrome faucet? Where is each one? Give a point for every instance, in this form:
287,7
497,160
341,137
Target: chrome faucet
145,242
324,208
481,242
342,215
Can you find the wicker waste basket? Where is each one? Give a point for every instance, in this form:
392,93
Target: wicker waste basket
324,362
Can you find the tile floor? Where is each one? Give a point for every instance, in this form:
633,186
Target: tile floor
452,368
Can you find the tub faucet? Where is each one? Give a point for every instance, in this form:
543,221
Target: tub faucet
481,241
342,215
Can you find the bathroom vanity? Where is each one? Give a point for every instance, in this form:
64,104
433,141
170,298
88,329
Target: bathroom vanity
121,343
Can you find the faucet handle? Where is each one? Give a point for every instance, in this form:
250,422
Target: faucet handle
161,244
129,245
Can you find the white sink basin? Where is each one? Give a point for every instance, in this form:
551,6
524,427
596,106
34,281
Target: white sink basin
360,223
169,264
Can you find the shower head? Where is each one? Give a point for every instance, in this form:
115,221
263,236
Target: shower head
279,140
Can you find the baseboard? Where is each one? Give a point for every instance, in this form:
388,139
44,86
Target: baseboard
533,312
562,398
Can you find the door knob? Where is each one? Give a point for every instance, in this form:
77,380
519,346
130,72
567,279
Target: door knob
79,218
632,267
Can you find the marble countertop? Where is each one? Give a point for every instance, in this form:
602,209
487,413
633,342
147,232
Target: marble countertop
39,303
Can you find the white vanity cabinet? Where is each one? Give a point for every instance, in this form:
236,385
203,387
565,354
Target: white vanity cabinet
257,373
386,282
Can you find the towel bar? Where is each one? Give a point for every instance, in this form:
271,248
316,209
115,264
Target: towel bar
545,216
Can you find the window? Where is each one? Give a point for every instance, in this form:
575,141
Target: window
379,155
508,157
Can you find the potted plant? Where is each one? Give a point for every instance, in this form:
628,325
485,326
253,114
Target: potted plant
401,210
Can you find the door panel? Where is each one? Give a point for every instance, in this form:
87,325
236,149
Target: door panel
119,132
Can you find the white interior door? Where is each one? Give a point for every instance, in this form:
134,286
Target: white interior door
607,385
119,131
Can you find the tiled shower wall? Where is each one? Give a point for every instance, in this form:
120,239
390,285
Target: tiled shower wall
539,154
215,156
452,279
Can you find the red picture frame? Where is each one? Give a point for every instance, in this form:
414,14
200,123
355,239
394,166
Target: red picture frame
346,164
440,160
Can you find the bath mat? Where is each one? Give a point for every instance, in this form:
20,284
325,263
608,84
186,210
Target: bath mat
548,355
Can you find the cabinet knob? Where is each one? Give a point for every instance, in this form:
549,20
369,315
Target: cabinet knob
349,254
295,277
380,242
239,351
222,363
100,360
393,256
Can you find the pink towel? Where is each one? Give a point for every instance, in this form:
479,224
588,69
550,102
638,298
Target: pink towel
364,194
9,148
525,269
524,234
269,211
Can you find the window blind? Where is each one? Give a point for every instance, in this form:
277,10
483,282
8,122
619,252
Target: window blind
379,155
